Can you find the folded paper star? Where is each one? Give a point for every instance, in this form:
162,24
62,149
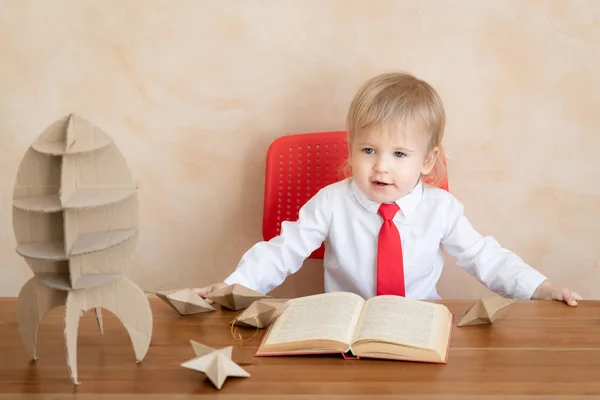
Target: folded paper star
261,313
486,311
185,301
235,297
216,364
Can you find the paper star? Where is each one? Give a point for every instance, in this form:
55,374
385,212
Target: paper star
185,301
486,311
235,297
216,364
261,313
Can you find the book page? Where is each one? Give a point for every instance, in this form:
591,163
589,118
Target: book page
398,320
329,316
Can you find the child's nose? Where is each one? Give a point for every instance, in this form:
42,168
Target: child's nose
380,165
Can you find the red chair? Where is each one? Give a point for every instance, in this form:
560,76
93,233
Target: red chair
297,167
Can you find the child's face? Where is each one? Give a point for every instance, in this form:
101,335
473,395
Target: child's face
386,164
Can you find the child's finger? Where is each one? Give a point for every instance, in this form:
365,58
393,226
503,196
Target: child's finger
199,291
568,297
577,296
202,292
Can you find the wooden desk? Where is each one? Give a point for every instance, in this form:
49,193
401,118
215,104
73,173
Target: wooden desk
539,349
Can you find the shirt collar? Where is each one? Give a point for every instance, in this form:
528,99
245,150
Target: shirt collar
408,203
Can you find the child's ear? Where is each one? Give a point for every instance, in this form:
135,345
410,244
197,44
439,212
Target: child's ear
430,159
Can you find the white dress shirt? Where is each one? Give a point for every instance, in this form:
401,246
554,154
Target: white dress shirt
347,221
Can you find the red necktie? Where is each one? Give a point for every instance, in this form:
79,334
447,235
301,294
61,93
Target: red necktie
390,266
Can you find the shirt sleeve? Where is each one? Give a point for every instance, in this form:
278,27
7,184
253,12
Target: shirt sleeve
268,263
497,268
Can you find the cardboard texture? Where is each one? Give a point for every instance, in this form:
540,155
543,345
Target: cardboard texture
185,301
235,297
75,219
486,311
216,364
261,313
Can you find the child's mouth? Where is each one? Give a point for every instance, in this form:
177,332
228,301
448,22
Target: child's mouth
380,183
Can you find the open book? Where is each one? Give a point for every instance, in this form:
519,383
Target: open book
390,327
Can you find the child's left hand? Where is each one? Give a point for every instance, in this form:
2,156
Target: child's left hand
547,291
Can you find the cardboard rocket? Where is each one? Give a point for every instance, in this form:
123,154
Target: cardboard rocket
75,219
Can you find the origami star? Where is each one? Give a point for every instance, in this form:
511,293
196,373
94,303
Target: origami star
486,311
216,364
185,301
261,313
235,297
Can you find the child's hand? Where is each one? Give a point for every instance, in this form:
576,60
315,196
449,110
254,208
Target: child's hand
202,292
547,291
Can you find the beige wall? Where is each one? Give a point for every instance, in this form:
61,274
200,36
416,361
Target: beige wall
194,91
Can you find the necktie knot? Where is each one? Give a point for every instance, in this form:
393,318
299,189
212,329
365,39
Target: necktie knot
387,211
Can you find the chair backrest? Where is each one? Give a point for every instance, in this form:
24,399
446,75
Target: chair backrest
297,167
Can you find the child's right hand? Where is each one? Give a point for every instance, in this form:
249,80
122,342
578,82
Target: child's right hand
202,292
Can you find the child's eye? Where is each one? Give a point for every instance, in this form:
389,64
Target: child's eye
368,150
399,154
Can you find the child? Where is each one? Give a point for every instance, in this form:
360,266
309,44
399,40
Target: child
395,127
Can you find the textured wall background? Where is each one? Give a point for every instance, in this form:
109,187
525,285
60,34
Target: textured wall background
193,92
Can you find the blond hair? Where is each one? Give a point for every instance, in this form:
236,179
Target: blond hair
391,100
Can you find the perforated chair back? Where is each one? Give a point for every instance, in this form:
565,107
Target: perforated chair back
298,166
